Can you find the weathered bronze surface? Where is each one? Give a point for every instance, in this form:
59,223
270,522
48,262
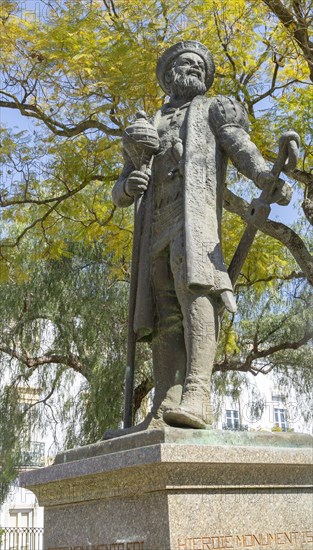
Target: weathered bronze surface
180,281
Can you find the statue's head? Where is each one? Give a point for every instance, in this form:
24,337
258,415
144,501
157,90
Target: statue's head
186,69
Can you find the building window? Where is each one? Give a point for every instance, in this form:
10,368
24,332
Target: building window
21,518
20,534
278,397
280,418
232,419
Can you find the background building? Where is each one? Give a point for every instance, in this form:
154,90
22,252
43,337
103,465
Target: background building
262,405
21,518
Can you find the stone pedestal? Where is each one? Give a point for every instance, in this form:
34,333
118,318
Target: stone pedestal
179,489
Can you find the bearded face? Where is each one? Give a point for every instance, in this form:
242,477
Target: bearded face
187,76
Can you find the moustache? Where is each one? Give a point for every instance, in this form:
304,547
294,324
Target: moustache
195,72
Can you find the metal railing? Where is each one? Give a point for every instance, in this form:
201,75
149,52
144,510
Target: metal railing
21,538
33,455
235,427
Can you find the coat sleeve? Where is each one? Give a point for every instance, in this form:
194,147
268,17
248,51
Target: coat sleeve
229,122
119,196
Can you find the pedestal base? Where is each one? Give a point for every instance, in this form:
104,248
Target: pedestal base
179,489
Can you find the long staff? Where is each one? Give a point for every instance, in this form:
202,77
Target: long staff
139,207
141,142
131,337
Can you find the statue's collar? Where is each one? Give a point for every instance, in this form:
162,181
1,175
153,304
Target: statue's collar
168,108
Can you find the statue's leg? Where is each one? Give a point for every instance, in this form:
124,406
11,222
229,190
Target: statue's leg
168,346
201,331
168,349
201,327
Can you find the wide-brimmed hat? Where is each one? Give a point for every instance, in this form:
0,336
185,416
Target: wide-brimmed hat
171,53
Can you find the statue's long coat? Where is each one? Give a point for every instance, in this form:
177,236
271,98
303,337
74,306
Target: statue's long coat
216,130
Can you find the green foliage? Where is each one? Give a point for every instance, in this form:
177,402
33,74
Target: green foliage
72,310
11,425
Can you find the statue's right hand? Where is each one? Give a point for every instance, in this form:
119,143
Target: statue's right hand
137,183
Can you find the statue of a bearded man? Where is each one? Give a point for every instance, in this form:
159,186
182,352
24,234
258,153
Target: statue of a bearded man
183,283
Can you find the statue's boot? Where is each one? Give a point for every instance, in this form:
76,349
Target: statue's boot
169,365
151,422
201,333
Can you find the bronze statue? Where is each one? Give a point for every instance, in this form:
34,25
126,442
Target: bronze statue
182,283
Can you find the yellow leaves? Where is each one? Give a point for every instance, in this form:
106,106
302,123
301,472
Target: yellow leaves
21,215
81,56
88,64
12,267
232,229
231,339
267,259
7,144
57,249
21,275
4,271
9,34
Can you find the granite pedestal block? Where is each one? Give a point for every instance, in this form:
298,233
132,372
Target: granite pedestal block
179,489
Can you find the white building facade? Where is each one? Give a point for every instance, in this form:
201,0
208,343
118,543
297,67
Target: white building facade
21,518
262,405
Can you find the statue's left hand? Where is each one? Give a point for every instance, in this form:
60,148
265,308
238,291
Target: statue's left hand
287,158
265,178
281,192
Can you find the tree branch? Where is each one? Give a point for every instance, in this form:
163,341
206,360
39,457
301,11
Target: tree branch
224,44
47,397
4,203
47,214
232,364
273,85
256,67
290,277
55,126
69,360
277,230
109,4
306,178
297,26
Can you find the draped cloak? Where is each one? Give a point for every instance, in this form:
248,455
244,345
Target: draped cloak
216,129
